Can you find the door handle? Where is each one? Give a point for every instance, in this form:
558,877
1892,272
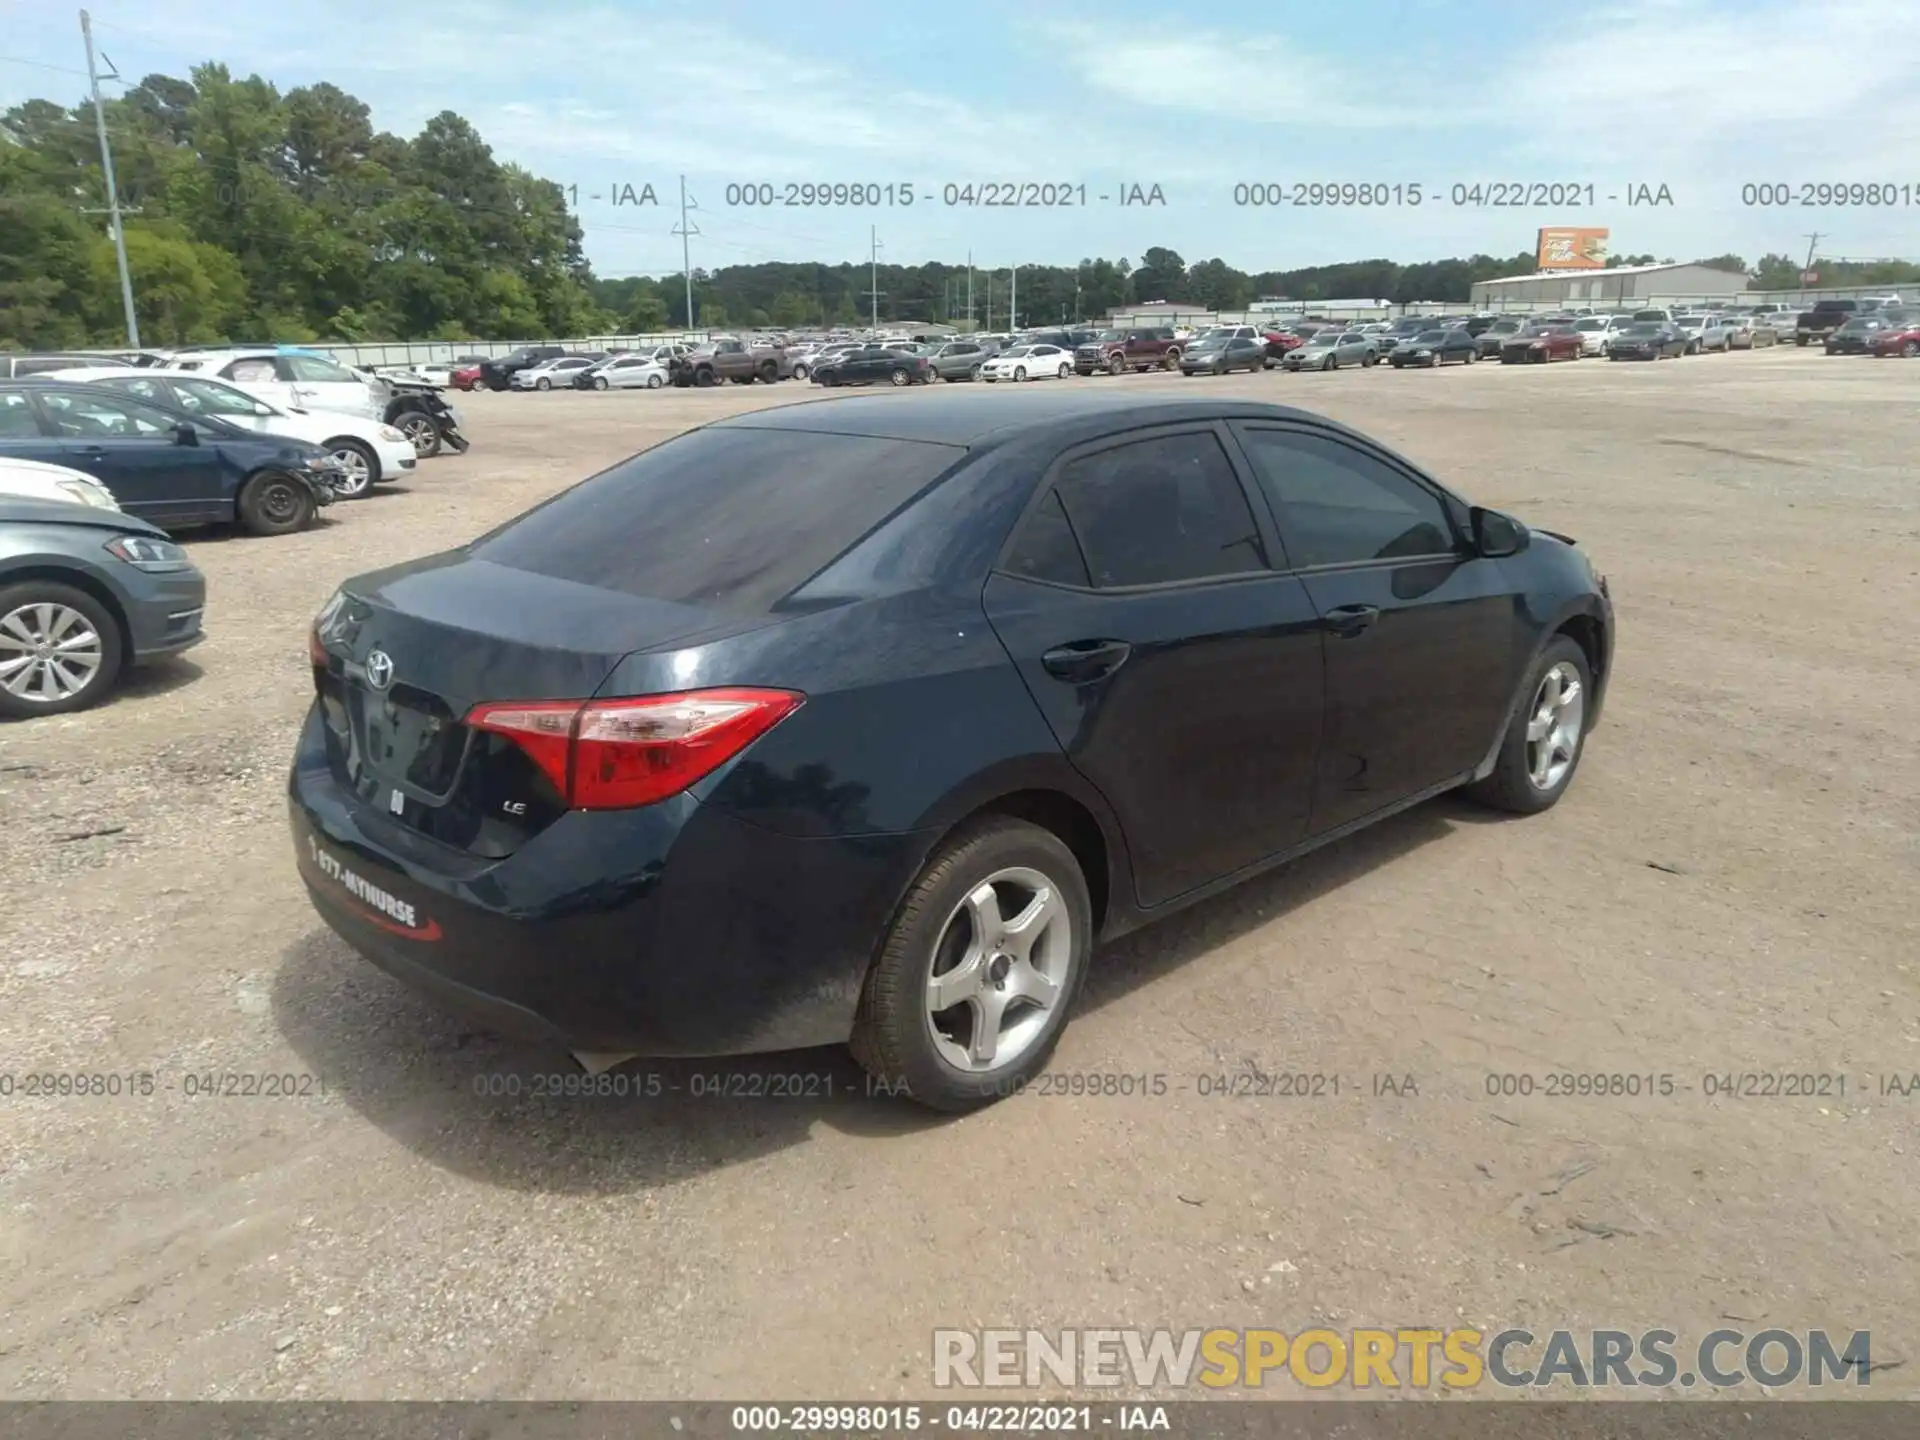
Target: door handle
1085,661
1350,620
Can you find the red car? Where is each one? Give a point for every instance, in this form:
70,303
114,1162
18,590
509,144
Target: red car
1279,342
1542,343
467,377
1898,340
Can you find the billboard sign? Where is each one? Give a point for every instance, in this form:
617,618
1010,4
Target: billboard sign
1572,248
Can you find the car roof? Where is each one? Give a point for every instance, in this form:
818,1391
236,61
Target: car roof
962,416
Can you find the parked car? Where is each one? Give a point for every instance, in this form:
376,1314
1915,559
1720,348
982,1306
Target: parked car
1596,331
555,374
422,414
1708,331
1541,343
622,372
1823,319
1649,340
1405,329
1497,334
1898,339
1856,336
468,377
871,364
732,360
1278,343
162,467
1330,349
86,594
956,360
1118,351
497,373
1221,355
864,774
1434,348
61,484
1029,362
291,378
365,452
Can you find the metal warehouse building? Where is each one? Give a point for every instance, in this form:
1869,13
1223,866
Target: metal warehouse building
1622,285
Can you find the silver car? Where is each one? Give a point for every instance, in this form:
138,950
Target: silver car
1330,349
960,359
1708,329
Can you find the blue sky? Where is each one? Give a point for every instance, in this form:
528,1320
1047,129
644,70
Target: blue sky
1697,95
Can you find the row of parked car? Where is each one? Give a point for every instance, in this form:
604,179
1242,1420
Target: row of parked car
101,458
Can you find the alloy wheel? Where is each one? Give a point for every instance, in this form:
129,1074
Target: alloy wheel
1554,725
419,429
998,971
48,652
359,474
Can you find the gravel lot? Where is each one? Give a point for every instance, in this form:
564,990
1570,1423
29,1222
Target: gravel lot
1729,887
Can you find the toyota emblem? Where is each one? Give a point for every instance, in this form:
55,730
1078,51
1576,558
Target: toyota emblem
379,669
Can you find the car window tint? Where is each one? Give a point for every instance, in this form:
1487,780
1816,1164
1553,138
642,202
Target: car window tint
735,518
1338,505
249,372
1160,510
1045,549
312,370
95,416
17,420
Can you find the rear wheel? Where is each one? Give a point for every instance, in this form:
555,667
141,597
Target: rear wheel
980,968
703,377
898,376
801,370
769,373
974,373
275,503
1171,360
1065,370
60,649
1910,349
1542,746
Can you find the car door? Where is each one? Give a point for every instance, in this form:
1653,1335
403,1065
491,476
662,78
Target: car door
1179,671
132,448
1420,631
319,384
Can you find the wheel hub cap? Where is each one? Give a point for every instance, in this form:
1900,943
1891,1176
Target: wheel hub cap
998,970
48,652
1554,726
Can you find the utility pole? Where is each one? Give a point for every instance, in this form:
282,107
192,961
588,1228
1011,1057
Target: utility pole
1812,240
113,189
969,287
686,232
873,261
1013,292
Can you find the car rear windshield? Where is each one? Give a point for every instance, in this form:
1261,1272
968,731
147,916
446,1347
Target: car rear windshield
733,519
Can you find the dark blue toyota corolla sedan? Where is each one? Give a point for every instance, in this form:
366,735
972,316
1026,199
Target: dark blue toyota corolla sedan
861,720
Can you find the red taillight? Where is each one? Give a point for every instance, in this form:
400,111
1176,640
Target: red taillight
616,754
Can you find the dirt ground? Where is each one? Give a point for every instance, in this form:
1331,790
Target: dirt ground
1728,888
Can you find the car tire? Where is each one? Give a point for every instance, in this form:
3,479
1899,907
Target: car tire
1019,372
1117,365
923,1053
543,383
898,376
357,463
1171,360
93,668
599,382
654,382
974,373
1515,784
275,503
1332,362
768,373
802,370
1065,371
419,427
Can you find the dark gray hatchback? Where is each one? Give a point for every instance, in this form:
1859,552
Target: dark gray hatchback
85,594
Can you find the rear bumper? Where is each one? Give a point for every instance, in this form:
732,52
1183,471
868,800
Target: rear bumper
672,930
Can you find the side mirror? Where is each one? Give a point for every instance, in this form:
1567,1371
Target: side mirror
185,434
1495,534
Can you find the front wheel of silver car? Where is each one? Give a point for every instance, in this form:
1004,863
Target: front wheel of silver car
1546,735
60,649
978,972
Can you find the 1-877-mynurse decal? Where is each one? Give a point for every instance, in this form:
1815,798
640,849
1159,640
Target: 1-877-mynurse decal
1398,1358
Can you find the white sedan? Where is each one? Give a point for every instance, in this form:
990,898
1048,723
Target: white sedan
627,372
558,374
1597,332
1029,362
36,480
366,450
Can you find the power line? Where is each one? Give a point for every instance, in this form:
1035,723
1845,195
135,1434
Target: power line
40,65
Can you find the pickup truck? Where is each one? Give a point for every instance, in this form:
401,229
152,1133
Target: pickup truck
1826,317
1118,351
498,374
731,360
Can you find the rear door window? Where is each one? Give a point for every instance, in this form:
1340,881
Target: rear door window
1156,511
17,420
734,518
